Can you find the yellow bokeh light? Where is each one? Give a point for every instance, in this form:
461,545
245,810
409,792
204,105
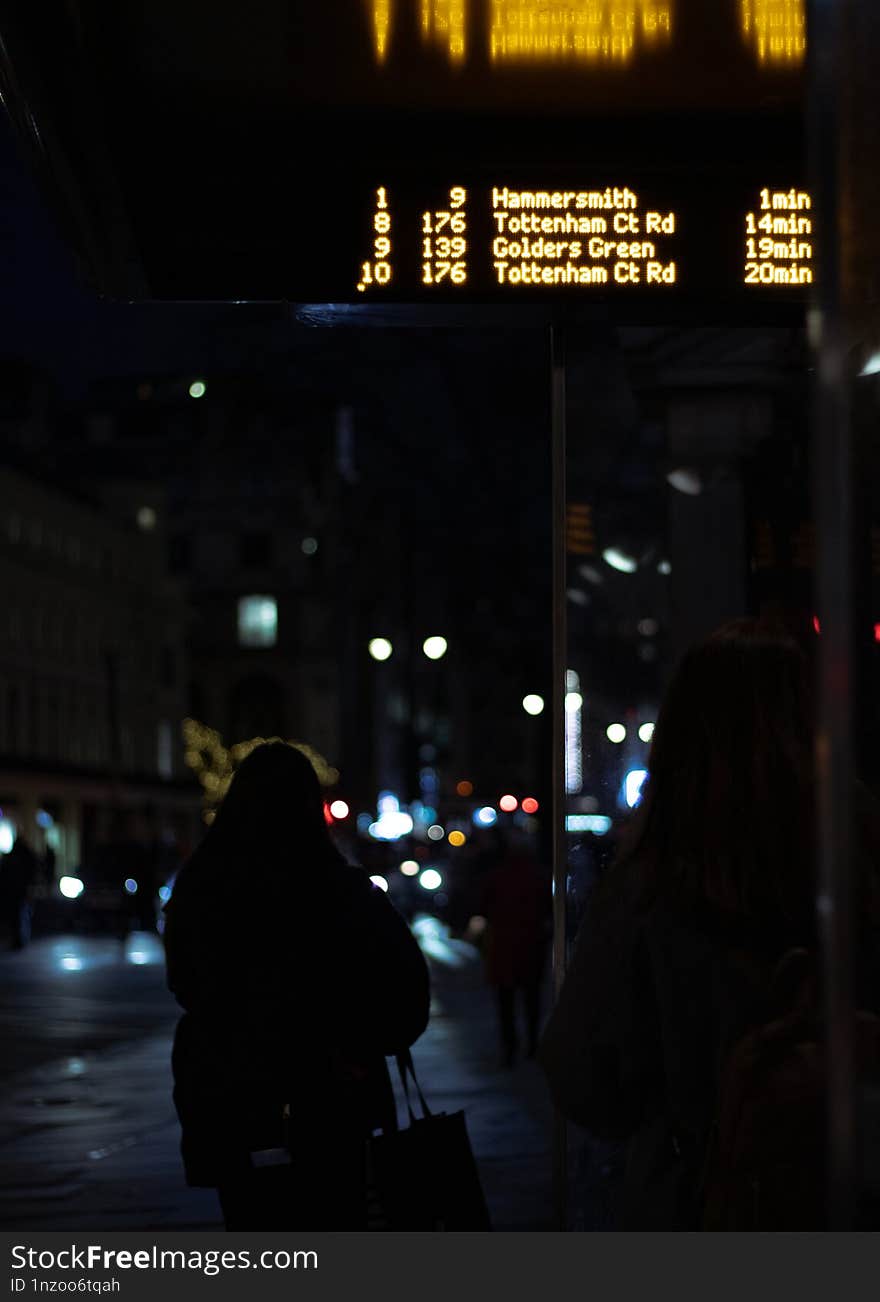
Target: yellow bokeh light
775,29
457,838
444,23
544,31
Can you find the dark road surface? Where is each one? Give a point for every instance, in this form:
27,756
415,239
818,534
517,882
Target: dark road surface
88,1134
72,995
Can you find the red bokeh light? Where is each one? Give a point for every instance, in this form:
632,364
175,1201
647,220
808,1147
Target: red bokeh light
530,805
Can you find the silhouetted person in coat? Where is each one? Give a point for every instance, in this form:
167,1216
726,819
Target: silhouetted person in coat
18,870
516,906
680,939
297,977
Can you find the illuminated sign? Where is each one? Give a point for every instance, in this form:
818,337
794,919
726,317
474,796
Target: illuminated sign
578,237
779,239
538,31
503,240
606,156
775,29
444,24
381,28
444,241
377,271
543,31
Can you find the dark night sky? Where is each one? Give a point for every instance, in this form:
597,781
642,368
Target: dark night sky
51,319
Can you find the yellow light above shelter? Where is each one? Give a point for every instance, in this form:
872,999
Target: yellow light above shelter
775,29
556,31
444,23
382,16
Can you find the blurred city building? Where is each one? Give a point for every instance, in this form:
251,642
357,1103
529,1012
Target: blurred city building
92,678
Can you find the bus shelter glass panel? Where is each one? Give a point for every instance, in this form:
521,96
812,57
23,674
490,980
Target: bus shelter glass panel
688,506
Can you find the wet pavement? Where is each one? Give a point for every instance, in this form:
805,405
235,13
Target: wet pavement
88,1133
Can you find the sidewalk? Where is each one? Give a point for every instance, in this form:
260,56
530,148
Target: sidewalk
91,1142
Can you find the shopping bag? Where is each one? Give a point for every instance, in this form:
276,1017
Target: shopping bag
425,1176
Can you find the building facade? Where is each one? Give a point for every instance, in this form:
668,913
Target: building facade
93,678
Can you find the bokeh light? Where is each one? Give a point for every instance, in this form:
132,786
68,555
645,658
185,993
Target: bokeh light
616,733
508,804
632,786
435,648
381,648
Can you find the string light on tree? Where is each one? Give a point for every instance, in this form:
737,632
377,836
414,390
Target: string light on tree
215,764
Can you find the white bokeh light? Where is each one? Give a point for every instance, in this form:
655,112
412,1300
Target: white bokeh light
435,648
381,649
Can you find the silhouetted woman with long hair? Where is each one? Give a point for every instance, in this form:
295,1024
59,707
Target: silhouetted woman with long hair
297,977
717,883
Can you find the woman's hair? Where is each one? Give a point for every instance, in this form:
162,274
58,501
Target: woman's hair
727,811
275,801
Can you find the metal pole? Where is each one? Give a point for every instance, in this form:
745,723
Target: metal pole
833,499
560,656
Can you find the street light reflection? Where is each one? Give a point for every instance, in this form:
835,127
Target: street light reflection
143,949
433,938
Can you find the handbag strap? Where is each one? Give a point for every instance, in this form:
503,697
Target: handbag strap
406,1068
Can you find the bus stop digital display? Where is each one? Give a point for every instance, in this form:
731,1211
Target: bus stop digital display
452,150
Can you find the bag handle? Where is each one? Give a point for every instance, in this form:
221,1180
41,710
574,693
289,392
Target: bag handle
406,1068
